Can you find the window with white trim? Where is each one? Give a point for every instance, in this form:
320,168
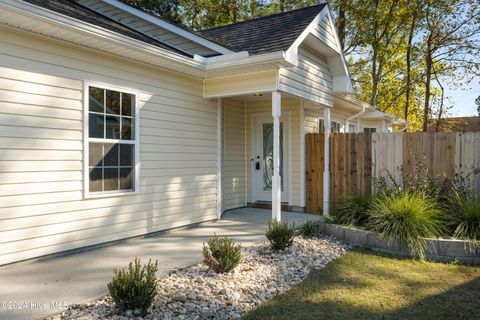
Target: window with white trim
112,140
369,130
335,127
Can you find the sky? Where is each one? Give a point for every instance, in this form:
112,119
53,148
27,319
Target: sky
464,99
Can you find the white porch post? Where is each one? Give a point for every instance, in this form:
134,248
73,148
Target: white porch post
276,179
358,125
326,165
219,158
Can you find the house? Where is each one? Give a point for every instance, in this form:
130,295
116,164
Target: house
115,124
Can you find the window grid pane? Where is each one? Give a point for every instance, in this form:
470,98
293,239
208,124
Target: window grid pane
111,165
115,170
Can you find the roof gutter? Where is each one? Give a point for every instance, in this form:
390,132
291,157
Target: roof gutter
240,59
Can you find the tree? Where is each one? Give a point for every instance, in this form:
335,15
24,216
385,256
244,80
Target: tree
451,46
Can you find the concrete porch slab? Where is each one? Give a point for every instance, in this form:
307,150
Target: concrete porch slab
32,286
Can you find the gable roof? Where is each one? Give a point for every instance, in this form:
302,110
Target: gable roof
271,33
74,10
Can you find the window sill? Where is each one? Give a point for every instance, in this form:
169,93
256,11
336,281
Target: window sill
96,195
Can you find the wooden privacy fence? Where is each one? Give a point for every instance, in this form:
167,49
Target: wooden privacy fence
357,158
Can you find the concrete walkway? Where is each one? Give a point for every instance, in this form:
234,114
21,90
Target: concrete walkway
34,287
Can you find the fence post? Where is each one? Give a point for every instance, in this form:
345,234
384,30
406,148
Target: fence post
326,167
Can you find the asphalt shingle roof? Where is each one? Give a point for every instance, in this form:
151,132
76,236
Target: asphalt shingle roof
265,34
74,10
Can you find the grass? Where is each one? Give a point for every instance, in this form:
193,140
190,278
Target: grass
365,285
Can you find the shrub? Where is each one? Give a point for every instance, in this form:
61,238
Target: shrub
134,287
309,229
353,210
419,181
410,216
280,234
330,219
464,215
221,254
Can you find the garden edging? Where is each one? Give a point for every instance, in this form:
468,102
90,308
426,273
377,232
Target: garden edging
437,249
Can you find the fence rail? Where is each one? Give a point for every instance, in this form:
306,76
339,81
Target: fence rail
357,158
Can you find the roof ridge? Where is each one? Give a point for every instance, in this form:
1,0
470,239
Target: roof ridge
264,17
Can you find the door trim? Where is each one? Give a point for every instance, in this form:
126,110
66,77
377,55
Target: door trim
286,118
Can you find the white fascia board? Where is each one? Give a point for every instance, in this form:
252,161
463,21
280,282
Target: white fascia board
66,22
168,26
224,57
236,61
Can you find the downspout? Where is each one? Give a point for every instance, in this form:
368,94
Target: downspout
356,115
405,128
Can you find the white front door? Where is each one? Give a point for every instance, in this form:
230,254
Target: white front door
262,165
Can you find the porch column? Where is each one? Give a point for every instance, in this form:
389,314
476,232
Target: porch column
276,179
326,165
219,158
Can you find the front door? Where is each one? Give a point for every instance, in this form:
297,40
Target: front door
263,156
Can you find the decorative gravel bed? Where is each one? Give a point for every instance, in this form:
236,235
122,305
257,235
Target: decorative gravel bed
198,293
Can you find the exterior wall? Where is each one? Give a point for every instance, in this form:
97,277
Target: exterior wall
265,106
378,124
325,31
313,114
42,205
234,160
240,84
147,28
311,79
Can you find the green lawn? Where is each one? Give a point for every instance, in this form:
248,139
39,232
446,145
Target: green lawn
364,285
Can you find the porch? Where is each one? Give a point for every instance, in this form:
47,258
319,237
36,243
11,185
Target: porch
262,151
52,279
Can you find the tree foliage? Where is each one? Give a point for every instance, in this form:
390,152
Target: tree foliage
402,54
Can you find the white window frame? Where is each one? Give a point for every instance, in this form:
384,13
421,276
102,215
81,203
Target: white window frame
87,140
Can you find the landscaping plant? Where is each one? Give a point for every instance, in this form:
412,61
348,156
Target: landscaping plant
134,287
408,215
221,254
464,215
309,229
353,210
280,234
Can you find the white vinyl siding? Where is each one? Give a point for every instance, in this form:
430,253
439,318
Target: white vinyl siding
42,206
233,155
311,79
325,32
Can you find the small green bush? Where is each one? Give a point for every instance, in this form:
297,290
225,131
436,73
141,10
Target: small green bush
134,287
330,219
410,216
280,234
309,229
464,215
353,210
221,254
